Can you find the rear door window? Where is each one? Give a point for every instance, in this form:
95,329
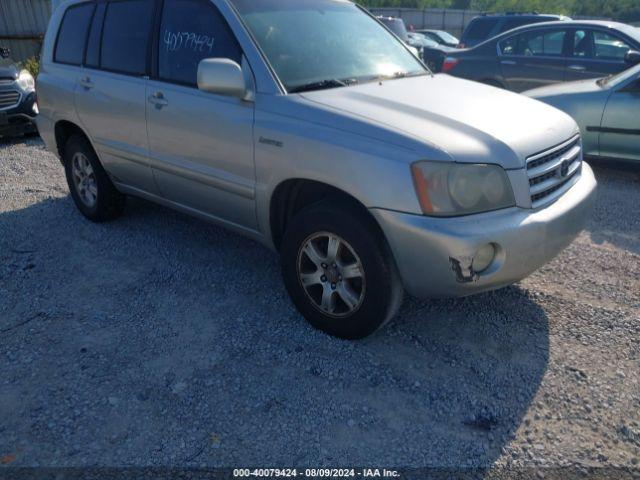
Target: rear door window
73,34
125,36
190,31
535,44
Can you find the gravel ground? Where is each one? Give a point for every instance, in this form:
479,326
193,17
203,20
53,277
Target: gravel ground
160,340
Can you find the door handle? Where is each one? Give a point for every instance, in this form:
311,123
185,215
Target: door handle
509,62
577,68
86,83
158,100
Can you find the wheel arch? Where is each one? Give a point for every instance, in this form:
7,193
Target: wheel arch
64,130
292,195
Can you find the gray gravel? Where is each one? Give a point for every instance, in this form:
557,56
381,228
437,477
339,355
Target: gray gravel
160,340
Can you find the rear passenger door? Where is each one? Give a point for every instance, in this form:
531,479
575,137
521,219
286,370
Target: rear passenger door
532,59
201,144
595,53
111,92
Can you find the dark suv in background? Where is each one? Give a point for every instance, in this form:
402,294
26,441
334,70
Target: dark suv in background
18,106
538,55
486,26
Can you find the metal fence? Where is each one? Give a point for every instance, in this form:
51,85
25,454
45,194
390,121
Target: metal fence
22,26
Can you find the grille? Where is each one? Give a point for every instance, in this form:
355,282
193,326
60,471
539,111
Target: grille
554,171
9,98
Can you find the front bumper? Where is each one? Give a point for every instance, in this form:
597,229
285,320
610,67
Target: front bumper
434,255
19,119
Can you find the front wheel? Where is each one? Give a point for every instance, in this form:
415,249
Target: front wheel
339,271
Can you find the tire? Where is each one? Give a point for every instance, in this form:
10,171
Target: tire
99,200
371,299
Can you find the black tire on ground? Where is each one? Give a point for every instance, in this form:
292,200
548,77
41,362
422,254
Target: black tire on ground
109,203
382,294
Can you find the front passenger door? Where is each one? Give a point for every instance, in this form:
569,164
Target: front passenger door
620,130
200,143
595,54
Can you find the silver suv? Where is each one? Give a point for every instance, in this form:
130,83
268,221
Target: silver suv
311,128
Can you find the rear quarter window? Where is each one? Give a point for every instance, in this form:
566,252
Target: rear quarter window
73,34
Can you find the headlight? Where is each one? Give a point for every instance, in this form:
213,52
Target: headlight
26,81
447,189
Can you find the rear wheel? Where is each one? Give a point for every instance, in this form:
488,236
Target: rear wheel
339,271
91,188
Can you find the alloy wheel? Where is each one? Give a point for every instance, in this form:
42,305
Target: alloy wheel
331,274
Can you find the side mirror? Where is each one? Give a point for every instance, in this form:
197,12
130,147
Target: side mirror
221,76
632,57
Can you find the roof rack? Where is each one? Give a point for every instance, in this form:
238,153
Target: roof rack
488,14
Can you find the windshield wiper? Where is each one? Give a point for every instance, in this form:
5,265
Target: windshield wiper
397,75
323,84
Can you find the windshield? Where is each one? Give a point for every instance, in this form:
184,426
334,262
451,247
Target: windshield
314,44
613,81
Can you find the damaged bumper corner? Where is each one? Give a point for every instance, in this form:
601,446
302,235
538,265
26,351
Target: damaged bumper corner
463,269
435,255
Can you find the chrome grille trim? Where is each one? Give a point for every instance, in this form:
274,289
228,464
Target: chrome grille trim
554,171
9,99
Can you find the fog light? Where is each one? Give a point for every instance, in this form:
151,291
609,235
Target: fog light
35,108
484,258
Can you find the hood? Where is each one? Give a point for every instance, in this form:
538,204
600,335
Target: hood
469,121
8,70
568,88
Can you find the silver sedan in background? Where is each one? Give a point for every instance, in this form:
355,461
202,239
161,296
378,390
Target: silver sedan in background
607,111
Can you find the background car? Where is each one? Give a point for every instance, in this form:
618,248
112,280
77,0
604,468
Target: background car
18,106
485,26
431,52
397,26
440,37
428,50
538,55
606,110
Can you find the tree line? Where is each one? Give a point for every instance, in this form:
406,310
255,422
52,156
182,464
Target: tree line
622,10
